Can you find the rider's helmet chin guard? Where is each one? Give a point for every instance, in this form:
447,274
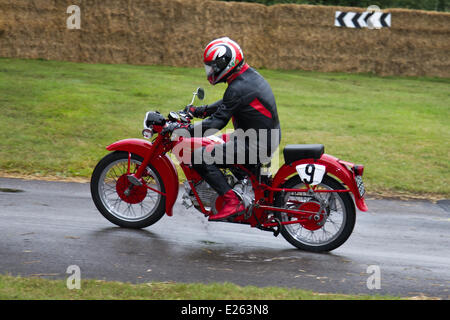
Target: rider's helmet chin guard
222,57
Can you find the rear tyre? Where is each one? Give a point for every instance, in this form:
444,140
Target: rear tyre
142,207
335,222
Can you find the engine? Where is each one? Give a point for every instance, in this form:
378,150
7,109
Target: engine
208,195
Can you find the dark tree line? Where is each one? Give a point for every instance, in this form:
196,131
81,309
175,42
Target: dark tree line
438,5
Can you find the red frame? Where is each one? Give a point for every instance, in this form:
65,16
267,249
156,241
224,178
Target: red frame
155,155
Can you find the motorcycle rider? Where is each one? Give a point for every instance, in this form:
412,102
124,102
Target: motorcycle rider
250,103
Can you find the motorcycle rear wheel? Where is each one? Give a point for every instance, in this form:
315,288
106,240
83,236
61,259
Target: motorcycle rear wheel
321,236
142,208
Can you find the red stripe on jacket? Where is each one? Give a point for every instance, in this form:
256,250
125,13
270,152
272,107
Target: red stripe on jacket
256,104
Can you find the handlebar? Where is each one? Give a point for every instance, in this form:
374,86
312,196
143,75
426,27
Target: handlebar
186,115
180,116
154,122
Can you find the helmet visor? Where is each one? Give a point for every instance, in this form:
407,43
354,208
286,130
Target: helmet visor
209,70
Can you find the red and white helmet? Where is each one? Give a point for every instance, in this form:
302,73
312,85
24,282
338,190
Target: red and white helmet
221,57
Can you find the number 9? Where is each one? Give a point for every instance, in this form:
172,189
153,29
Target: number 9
309,171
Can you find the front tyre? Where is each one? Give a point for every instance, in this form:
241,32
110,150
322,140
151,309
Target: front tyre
136,207
334,222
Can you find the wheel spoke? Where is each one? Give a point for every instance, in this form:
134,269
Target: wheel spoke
126,206
320,235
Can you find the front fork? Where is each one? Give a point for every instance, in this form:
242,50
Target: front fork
135,179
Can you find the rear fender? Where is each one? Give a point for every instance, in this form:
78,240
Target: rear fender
333,166
161,163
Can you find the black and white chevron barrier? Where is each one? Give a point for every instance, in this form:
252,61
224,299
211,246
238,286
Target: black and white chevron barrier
372,20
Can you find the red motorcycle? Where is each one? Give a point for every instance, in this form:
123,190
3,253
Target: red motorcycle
308,200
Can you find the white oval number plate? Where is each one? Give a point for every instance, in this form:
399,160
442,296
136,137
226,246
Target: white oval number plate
311,174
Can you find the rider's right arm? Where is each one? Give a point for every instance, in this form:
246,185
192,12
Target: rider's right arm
224,111
203,111
212,108
206,110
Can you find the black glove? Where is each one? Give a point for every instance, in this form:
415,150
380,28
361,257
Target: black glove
196,112
172,126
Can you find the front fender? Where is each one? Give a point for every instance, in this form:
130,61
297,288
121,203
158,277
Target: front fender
332,166
162,164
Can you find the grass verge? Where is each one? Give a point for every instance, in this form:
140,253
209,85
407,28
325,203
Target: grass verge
57,117
18,288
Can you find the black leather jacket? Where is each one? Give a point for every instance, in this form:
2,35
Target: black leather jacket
249,102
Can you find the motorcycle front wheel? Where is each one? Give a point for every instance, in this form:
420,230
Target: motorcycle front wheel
119,201
329,226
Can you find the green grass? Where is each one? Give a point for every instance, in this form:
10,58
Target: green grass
12,288
57,117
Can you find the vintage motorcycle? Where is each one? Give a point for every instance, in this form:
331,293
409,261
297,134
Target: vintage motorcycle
308,200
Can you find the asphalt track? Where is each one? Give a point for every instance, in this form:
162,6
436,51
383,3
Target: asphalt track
48,226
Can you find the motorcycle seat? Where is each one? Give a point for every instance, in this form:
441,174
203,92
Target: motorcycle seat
293,152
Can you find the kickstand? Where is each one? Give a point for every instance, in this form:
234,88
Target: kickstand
277,229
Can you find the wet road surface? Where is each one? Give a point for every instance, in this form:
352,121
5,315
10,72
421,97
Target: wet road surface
48,226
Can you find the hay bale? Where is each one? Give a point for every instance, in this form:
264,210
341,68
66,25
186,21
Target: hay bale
174,32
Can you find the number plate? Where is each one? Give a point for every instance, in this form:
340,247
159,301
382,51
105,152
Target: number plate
311,174
360,185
